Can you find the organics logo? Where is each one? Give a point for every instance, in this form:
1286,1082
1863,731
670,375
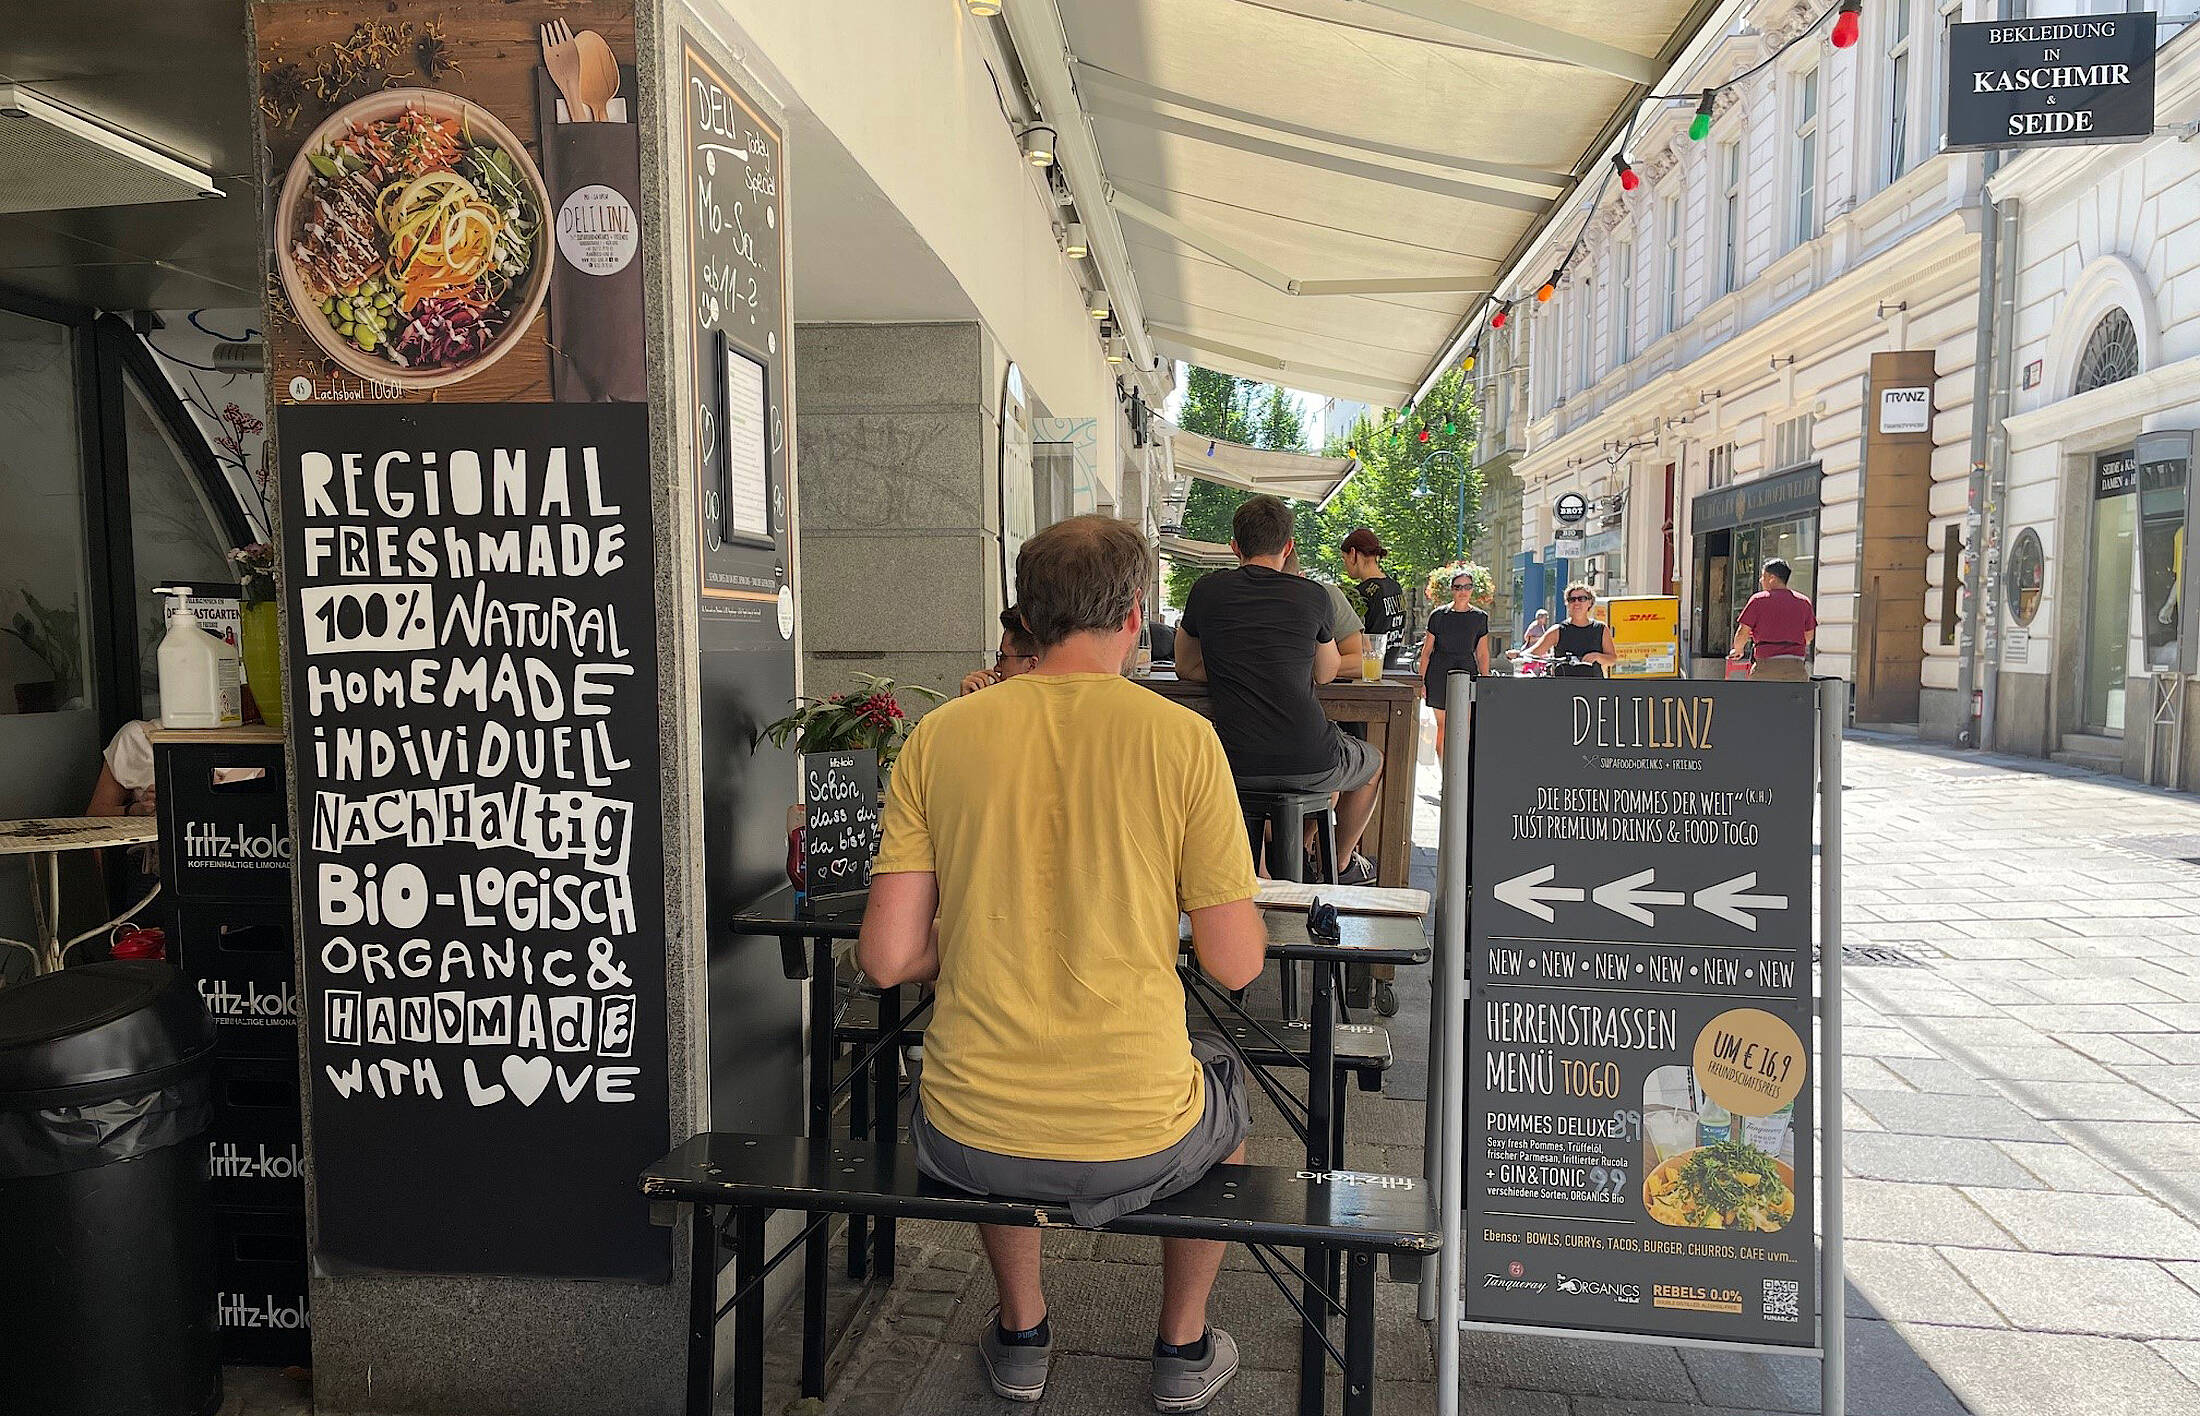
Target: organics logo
1599,1288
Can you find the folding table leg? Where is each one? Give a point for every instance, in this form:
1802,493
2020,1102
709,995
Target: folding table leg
1359,1336
886,1077
1321,1263
859,1128
748,1318
702,1369
817,1251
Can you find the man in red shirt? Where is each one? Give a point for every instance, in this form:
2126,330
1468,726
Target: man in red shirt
1781,624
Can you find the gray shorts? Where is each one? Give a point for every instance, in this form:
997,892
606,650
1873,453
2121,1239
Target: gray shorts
1353,762
1099,1192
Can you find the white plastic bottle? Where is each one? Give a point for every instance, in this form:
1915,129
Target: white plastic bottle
199,673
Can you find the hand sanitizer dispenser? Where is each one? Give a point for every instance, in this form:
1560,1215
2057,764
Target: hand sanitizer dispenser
198,672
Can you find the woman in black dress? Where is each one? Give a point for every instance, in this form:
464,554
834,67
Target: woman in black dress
1457,638
1579,637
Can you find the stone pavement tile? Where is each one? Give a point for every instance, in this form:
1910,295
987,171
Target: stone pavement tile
2113,988
1910,1283
1912,1001
2067,1168
2178,1017
2113,1050
2046,1374
1919,1214
2043,1061
2045,930
1995,1030
2088,1101
2140,1146
1872,1074
1882,1042
1926,1075
1855,1119
2184,1356
1988,947
1583,1367
2116,1226
1933,1160
1885,1378
2165,1047
2118,1018
1920,1114
2188,1272
2177,1083
2049,1293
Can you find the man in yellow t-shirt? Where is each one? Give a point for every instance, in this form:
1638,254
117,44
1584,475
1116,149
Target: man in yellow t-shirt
1052,827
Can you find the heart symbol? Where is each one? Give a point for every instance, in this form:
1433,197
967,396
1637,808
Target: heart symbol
527,1077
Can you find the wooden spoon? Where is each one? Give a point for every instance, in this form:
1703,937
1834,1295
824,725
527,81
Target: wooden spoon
599,74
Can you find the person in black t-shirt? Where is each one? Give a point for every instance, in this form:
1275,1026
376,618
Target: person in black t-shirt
1458,639
1382,600
1261,640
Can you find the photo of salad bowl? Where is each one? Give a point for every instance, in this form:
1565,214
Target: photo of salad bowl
413,238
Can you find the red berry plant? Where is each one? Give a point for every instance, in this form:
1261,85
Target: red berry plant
869,716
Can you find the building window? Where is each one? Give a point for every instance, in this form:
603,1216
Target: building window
1951,13
2111,353
1585,323
1730,217
1792,444
1719,465
1669,279
1623,302
1806,156
1898,89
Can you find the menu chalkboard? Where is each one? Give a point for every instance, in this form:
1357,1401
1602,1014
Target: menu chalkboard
475,712
1640,1098
840,821
737,319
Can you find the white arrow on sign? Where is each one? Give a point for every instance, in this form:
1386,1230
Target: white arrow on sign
1727,901
1627,896
1527,893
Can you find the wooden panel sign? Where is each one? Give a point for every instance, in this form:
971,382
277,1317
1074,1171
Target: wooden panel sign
840,822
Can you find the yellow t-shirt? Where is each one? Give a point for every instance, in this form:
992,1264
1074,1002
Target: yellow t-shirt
1068,818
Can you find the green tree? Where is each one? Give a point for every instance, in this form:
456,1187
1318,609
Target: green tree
1408,490
1277,426
1230,409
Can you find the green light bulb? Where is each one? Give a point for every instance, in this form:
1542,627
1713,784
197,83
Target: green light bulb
1700,127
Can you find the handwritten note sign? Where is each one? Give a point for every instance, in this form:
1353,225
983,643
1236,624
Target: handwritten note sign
473,675
840,821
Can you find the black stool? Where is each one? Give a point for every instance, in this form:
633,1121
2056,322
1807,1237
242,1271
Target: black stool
1281,817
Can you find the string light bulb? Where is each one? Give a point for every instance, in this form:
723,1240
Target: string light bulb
1468,363
1497,321
1450,427
1848,24
1547,289
1699,127
1629,179
1424,435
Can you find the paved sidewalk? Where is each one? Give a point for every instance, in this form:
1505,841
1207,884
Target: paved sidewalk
2023,1104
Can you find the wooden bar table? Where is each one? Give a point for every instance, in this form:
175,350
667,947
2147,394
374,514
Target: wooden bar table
1391,709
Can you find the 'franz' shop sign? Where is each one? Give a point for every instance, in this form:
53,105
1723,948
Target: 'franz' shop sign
2051,82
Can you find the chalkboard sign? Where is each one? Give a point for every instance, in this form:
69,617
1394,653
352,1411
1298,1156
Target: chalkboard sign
737,301
1640,1095
840,821
475,711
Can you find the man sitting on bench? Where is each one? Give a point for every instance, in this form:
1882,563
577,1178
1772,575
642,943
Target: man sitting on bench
1052,827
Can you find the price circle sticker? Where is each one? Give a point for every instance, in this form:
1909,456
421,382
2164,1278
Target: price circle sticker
1750,1062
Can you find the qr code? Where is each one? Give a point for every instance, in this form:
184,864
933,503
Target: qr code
1783,1300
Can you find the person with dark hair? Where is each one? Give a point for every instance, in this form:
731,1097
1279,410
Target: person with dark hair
1583,640
1016,655
1457,641
1382,600
1040,839
1780,624
1261,641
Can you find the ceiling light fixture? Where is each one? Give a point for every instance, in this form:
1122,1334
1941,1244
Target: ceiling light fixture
1115,349
1097,305
1038,141
1074,244
983,9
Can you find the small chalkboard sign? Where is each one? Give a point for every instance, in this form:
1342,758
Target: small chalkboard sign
840,821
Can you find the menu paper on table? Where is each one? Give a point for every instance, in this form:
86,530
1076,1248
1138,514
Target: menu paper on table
1640,1090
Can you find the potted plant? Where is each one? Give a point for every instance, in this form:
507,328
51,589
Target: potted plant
260,630
49,632
870,716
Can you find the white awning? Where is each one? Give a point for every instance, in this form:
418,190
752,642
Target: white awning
1319,193
1299,476
1190,552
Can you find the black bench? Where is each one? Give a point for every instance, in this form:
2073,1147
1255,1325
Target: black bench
1358,1215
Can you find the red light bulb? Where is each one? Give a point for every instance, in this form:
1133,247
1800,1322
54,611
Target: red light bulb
1424,435
1629,179
1497,321
1847,25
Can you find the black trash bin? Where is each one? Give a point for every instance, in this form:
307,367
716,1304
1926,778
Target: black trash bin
106,1238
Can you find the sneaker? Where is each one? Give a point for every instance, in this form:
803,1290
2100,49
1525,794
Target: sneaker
1181,1384
1015,1373
1357,871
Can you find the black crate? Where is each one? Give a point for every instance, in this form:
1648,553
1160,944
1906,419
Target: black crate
260,1283
224,820
242,959
255,1144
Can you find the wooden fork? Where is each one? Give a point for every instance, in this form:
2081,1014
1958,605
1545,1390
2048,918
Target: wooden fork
562,57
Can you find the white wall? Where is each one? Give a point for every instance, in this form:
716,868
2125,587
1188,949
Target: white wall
904,87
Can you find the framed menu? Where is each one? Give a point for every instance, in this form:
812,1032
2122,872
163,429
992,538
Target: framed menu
744,460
